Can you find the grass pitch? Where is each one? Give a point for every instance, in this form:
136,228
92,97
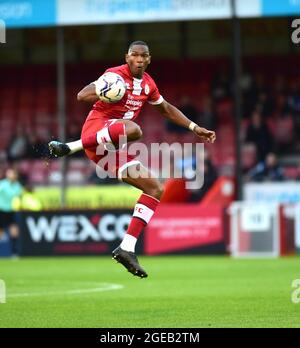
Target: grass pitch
181,291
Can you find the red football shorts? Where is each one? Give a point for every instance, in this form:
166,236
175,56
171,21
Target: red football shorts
92,125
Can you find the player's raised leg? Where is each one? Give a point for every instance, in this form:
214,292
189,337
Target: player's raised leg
107,134
143,211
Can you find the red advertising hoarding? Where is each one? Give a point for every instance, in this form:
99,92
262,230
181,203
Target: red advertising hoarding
183,227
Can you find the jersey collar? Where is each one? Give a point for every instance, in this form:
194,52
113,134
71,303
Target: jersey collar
131,76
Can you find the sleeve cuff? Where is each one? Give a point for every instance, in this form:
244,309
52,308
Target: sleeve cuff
158,101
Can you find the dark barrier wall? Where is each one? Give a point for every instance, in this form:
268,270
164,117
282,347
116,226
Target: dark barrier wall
174,229
72,232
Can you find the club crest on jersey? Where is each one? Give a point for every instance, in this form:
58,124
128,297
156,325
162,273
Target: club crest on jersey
147,89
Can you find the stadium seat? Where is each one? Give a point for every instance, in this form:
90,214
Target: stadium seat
291,172
284,130
248,156
76,177
38,174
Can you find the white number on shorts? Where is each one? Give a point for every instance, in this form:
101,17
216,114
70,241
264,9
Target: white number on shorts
128,115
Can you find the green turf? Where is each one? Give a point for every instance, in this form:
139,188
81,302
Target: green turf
181,291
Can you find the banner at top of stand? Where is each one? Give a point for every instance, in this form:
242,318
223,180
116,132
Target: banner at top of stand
122,11
28,13
280,7
265,8
34,13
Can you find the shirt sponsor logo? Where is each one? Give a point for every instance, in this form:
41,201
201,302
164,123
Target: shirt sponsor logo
135,103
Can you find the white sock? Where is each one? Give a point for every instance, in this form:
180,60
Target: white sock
128,243
75,146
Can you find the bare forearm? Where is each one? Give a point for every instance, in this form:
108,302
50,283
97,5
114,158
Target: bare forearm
176,116
88,94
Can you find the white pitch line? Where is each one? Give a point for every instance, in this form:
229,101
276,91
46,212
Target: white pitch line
104,287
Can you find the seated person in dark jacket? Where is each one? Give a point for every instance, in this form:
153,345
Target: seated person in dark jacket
267,170
192,163
210,177
259,134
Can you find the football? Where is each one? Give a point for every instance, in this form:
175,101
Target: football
110,87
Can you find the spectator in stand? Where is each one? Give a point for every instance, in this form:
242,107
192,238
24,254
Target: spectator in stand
265,104
221,86
10,188
18,146
251,94
259,134
36,147
189,164
267,170
207,115
294,102
294,97
187,108
282,107
210,177
248,94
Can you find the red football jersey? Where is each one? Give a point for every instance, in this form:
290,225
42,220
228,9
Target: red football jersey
138,92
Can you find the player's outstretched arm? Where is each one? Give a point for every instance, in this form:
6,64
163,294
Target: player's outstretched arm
88,94
175,115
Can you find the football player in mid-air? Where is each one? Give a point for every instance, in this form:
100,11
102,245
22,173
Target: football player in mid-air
107,122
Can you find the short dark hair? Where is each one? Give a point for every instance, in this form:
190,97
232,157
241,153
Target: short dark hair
141,43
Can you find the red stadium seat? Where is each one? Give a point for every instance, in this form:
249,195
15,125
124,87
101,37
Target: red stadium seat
291,173
284,132
248,156
38,174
